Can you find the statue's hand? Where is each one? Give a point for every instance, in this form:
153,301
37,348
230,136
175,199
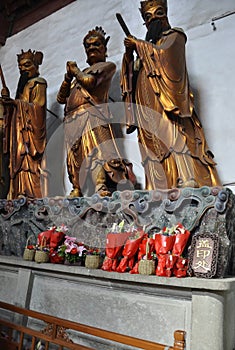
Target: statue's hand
130,43
5,93
72,69
8,101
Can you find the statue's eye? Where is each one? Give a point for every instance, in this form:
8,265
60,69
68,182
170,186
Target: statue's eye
147,17
96,44
160,13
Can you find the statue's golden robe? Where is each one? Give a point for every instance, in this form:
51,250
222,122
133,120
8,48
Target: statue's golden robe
28,140
171,139
88,131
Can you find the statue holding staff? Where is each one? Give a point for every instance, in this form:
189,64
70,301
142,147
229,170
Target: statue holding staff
172,143
26,127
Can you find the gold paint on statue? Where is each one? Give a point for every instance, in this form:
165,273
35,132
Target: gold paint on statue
172,142
27,128
89,136
148,5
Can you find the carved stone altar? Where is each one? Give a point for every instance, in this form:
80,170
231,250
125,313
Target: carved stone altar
121,301
88,218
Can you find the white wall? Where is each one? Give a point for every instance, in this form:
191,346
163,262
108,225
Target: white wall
210,59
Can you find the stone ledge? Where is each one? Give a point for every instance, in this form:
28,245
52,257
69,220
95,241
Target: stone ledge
217,284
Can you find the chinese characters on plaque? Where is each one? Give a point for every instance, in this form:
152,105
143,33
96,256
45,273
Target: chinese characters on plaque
204,255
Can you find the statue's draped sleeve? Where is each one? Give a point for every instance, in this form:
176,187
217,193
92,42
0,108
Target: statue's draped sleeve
165,67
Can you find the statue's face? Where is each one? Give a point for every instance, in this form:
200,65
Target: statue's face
95,50
26,65
156,12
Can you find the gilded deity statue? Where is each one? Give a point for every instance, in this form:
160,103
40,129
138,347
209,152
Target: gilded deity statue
92,153
154,78
26,127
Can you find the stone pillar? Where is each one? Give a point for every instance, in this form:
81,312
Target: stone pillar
207,309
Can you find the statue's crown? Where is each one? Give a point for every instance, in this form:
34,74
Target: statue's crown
35,56
146,5
97,31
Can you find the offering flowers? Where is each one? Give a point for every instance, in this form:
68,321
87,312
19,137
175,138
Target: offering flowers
54,256
145,253
169,245
164,240
181,238
54,236
130,249
115,241
72,251
181,266
93,251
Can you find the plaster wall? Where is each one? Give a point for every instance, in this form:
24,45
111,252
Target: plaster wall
210,60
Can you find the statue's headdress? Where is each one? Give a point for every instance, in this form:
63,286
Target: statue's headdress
146,5
35,56
97,31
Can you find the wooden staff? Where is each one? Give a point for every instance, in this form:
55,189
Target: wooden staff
123,24
5,90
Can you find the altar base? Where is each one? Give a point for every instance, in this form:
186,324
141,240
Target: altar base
148,307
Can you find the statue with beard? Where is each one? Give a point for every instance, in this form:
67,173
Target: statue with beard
94,162
172,143
26,127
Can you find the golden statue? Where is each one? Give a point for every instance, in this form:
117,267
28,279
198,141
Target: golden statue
172,143
92,153
26,127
